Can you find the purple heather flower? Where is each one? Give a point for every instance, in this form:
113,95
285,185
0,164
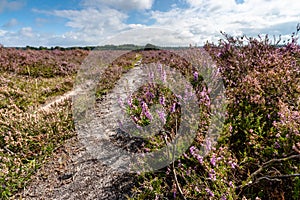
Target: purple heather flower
223,198
173,108
192,150
164,76
209,192
168,171
160,68
120,102
178,96
277,145
200,159
208,144
196,76
162,116
149,95
232,164
135,119
162,100
188,172
212,175
230,128
151,76
129,101
197,189
145,111
213,160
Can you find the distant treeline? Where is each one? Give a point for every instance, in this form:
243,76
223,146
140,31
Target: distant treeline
104,47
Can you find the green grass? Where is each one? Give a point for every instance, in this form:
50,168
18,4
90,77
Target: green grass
26,138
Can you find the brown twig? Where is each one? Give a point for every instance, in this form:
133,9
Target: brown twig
270,178
271,162
173,168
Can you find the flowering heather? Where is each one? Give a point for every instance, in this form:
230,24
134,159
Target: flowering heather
196,76
145,111
258,151
44,63
162,100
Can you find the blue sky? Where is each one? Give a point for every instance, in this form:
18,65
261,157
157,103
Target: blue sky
162,22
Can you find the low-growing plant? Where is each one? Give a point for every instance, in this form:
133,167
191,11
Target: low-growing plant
257,155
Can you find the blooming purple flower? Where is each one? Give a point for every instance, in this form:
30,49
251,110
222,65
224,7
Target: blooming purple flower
129,102
168,171
162,100
196,76
149,95
277,145
164,76
232,164
120,102
213,160
162,116
135,119
230,128
200,159
212,175
145,111
223,198
192,149
151,76
160,67
188,172
209,192
173,108
208,144
197,189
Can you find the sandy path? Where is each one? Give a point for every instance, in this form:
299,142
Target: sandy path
72,172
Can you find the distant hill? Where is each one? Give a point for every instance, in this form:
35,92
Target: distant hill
104,47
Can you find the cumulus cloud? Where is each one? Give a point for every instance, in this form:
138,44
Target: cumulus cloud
153,35
203,19
11,23
26,32
120,4
199,21
2,33
10,5
92,25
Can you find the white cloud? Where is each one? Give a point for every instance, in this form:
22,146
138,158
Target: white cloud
205,18
26,32
153,35
2,33
93,25
10,5
120,4
10,23
99,20
93,18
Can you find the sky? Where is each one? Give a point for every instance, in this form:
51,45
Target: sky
161,22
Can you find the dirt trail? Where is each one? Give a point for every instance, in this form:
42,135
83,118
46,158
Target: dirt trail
72,172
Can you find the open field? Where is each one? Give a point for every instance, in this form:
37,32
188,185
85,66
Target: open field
257,154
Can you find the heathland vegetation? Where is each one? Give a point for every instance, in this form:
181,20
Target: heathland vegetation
257,154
